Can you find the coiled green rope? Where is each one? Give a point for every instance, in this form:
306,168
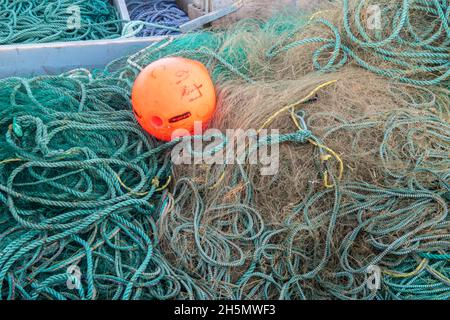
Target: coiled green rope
75,183
37,21
418,54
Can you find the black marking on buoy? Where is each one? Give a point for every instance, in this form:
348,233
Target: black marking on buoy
180,117
137,114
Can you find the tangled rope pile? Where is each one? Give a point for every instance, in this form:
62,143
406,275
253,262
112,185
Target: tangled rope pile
391,203
157,12
414,40
38,21
93,208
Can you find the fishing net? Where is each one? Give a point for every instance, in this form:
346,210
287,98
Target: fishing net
384,142
94,208
264,9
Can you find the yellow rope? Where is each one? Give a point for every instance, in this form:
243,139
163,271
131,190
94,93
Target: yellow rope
318,13
292,106
165,185
438,275
324,158
155,183
396,274
328,157
10,160
222,176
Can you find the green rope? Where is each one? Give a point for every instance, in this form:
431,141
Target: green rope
82,185
38,21
413,56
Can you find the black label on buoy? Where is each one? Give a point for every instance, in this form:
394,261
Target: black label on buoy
180,117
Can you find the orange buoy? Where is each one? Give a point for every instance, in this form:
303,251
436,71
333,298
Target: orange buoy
171,94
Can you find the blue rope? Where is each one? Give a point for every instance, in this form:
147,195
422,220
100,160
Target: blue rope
157,12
